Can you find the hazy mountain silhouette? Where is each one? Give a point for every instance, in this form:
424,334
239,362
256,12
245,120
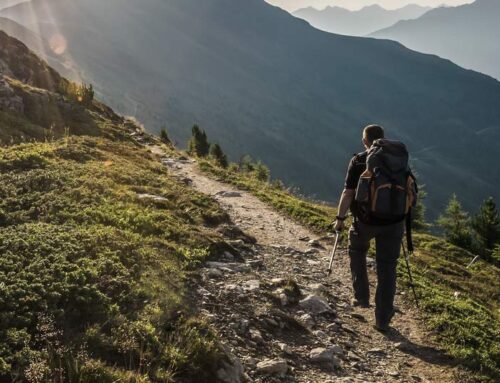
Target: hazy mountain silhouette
9,3
263,82
358,23
467,35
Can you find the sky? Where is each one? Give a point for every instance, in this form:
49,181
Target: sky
293,5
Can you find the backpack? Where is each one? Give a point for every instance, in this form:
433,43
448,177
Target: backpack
387,189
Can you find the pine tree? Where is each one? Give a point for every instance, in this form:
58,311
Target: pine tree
164,136
418,213
246,164
262,172
487,224
456,224
198,144
218,155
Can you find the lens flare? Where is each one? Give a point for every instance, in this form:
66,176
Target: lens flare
58,44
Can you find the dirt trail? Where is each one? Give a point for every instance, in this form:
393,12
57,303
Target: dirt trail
322,339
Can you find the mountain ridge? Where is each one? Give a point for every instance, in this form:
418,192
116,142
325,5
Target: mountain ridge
463,34
362,22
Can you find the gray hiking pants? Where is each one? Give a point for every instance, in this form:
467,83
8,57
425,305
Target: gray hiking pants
388,247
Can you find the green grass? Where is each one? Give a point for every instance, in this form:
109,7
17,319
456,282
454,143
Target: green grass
92,277
461,305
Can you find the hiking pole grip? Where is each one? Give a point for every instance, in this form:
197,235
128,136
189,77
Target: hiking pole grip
337,238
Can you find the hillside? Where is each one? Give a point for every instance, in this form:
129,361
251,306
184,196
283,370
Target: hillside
464,34
357,23
263,82
96,242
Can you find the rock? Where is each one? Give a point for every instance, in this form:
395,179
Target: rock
317,288
278,281
228,194
311,251
307,321
252,285
337,350
256,336
315,304
233,288
304,239
152,197
284,299
215,273
187,181
359,317
321,335
286,349
227,257
231,267
230,371
278,367
314,243
376,351
325,357
256,264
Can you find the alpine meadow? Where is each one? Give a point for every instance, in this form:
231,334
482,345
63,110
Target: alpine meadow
180,201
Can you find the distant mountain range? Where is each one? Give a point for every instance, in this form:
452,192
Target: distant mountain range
263,82
358,23
9,3
467,35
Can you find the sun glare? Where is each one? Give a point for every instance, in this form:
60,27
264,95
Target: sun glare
58,44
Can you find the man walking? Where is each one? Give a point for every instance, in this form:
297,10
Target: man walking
380,218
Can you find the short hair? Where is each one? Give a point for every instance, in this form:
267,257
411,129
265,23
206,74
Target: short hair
373,133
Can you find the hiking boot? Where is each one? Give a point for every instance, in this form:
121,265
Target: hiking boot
359,303
381,327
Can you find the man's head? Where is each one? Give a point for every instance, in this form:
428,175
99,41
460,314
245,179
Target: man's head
372,133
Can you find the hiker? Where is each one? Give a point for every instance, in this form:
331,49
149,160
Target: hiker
380,192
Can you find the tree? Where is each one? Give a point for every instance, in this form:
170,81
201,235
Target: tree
418,213
262,172
164,136
456,224
198,144
218,155
487,224
246,164
495,256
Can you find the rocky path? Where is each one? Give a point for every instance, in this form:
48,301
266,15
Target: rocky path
286,321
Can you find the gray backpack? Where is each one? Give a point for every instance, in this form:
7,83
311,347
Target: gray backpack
387,189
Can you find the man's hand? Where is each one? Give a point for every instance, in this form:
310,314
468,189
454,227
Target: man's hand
339,225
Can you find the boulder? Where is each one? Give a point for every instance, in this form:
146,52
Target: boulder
315,305
278,367
325,357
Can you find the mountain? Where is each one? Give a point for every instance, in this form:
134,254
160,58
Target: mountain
10,3
261,81
357,23
465,34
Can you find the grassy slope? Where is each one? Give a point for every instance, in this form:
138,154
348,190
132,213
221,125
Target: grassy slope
92,277
461,305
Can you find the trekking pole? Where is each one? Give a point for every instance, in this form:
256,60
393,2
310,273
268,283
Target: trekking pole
412,284
337,238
